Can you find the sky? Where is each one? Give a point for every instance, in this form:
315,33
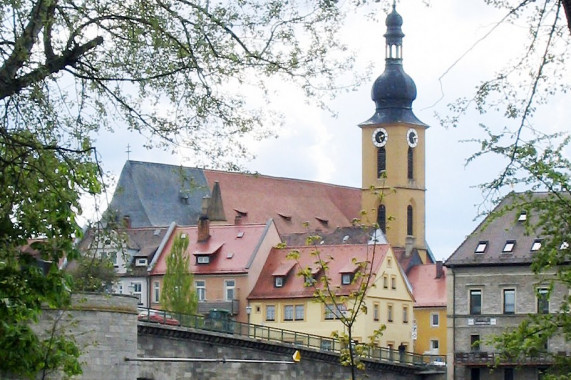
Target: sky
314,145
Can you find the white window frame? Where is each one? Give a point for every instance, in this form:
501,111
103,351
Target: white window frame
229,286
140,262
203,260
481,247
346,278
270,316
432,315
200,286
536,245
434,344
279,281
156,291
509,246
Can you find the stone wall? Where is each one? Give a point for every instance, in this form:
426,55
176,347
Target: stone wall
216,349
104,328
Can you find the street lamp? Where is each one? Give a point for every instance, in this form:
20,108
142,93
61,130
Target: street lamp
248,311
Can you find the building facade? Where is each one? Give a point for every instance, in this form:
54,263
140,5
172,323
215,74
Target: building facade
491,289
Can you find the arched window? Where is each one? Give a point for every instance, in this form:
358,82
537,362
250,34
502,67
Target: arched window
409,221
382,218
410,171
381,161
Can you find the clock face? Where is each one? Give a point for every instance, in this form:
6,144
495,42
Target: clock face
412,138
380,137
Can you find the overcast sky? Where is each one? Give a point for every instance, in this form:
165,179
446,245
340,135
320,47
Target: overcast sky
315,146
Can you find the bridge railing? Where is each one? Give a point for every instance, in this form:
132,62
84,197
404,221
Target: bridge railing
295,338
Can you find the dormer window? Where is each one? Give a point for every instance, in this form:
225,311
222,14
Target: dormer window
278,281
203,260
509,247
141,262
481,247
536,245
346,278
522,216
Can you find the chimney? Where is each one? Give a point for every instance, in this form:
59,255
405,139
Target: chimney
215,209
127,221
439,269
204,222
408,245
238,220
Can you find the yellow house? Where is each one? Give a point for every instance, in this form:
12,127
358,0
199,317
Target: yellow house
282,299
429,286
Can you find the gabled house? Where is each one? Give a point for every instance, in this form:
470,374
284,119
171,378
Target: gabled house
283,299
491,288
225,261
131,250
428,283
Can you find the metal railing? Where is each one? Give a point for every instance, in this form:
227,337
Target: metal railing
483,358
299,339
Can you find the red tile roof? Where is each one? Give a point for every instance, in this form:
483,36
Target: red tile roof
229,253
428,290
338,257
290,202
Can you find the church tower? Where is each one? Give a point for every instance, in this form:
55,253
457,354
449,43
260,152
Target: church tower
393,146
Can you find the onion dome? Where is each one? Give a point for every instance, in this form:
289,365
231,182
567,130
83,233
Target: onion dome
394,90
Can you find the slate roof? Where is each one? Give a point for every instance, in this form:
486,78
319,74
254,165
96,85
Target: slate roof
153,194
495,232
428,290
231,248
293,286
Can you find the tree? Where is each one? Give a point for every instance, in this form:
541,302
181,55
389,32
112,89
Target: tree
174,70
348,305
178,293
532,160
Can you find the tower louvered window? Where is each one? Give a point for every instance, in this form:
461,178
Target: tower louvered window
382,218
409,220
410,159
381,161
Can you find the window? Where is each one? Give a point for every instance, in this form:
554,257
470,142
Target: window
481,247
389,263
404,314
288,313
393,282
409,220
474,342
156,291
230,286
475,301
334,313
390,313
381,161
522,216
410,161
346,278
434,344
376,312
278,281
299,312
140,262
385,282
382,218
200,290
202,259
542,301
509,247
536,245
137,290
509,301
270,313
434,319
508,374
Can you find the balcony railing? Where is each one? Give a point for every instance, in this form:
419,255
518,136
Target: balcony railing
484,359
271,334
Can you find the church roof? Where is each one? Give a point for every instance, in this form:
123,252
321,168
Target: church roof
153,194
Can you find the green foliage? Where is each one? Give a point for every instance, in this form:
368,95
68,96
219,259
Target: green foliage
178,293
533,163
174,70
